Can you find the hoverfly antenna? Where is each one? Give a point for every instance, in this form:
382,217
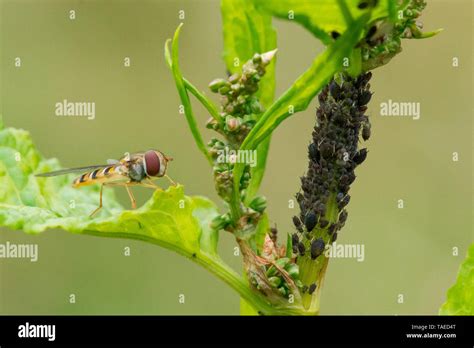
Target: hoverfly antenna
167,158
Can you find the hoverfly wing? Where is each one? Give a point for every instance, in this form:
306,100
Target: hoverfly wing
111,161
131,157
70,170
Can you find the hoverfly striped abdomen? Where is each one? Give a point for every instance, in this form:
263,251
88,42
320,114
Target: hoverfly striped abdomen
83,178
94,176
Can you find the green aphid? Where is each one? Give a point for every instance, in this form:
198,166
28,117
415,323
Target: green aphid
293,270
283,291
274,281
282,262
271,271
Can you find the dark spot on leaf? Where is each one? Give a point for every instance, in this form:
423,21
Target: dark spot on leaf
371,32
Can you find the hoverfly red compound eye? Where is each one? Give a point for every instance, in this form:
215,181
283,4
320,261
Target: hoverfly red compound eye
152,163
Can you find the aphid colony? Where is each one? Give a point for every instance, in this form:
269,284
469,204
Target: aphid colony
333,156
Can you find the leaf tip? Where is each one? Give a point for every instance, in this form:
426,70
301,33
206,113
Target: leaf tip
430,34
168,54
176,34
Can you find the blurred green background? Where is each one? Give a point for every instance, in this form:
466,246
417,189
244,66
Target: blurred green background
407,251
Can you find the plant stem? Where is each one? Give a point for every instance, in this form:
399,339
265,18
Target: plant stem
183,94
246,308
228,275
203,99
313,271
215,265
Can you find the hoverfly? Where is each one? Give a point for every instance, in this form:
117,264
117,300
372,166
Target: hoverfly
137,169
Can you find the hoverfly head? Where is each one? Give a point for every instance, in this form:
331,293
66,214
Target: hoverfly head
155,163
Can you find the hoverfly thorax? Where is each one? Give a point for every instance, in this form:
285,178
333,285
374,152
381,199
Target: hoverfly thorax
136,171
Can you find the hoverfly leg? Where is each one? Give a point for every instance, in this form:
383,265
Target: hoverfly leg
132,198
151,184
171,180
100,202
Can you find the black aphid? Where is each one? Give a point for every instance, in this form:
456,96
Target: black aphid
301,248
310,221
360,156
317,248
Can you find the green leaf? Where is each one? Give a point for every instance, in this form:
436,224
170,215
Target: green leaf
460,299
355,60
183,94
258,171
204,211
260,232
34,204
321,17
346,12
248,31
169,219
211,108
160,221
289,246
428,34
300,94
19,160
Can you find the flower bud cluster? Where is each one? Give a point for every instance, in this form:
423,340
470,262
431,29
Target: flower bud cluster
277,280
240,109
281,273
240,105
